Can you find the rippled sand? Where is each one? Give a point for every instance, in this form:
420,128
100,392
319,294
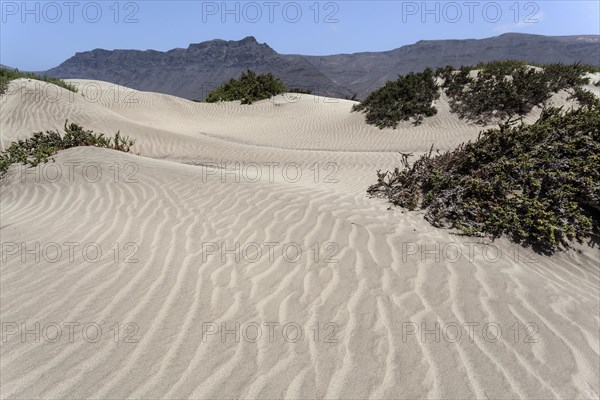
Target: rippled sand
238,256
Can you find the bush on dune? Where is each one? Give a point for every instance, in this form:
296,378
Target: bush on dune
248,89
486,92
561,76
7,75
539,184
39,148
504,89
585,97
491,95
409,97
499,67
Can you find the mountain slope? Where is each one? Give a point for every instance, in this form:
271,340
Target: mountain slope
364,72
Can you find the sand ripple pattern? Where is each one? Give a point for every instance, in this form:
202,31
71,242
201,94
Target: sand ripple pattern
387,278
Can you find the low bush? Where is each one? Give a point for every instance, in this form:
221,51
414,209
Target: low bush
409,97
500,67
503,89
539,184
7,75
248,89
39,148
562,76
584,97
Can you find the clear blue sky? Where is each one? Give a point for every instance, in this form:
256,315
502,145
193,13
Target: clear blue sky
42,34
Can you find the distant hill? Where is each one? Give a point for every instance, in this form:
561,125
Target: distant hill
364,72
193,72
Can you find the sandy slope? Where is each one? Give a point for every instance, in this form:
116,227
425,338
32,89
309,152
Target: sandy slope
375,285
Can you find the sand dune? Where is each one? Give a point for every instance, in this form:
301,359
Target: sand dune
380,307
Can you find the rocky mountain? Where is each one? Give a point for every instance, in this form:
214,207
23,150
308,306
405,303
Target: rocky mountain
193,72
363,72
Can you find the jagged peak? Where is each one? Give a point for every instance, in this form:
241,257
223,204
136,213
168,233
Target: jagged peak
248,40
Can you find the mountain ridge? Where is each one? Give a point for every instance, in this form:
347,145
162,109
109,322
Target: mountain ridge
194,71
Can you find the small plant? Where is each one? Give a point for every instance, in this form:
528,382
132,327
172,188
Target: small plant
39,148
409,97
121,143
7,75
248,89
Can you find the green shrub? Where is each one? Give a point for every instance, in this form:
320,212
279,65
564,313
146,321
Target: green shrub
561,76
409,97
507,66
495,96
585,67
500,68
7,75
39,148
585,97
539,184
505,89
248,89
499,91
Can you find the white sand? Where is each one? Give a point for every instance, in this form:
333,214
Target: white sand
385,284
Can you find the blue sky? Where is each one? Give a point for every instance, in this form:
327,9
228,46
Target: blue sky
40,35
